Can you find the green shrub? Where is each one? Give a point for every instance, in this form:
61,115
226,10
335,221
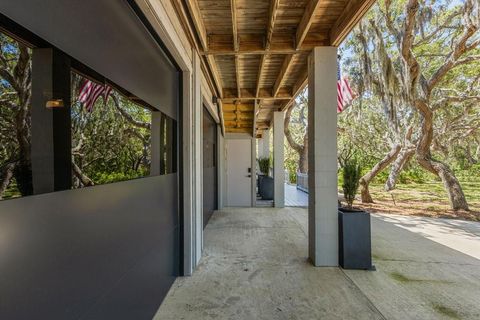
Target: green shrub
292,177
103,177
412,175
351,176
472,174
264,165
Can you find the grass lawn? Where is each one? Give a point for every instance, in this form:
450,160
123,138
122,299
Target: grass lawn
426,199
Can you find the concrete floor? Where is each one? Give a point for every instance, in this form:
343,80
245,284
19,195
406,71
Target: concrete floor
255,267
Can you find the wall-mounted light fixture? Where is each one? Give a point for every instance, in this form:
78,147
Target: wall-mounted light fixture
214,100
54,103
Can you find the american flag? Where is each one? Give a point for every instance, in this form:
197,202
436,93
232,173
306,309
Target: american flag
344,92
90,92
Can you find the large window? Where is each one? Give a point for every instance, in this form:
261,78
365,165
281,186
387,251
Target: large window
110,135
15,124
110,129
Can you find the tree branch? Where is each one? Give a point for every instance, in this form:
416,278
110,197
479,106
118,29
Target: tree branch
128,117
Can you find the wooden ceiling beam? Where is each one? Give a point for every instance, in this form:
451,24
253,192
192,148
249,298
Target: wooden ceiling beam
233,9
271,22
237,77
281,76
351,15
259,75
264,94
215,73
306,22
238,130
195,14
198,22
270,28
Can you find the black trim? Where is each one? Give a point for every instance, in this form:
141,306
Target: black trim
20,34
181,207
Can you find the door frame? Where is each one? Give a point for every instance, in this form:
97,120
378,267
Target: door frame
246,136
206,113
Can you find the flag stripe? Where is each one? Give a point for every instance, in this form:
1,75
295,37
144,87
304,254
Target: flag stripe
90,92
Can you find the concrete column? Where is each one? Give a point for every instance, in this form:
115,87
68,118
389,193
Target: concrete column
51,151
278,159
264,145
322,157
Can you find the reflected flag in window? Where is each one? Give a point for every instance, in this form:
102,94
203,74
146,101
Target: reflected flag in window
344,92
90,92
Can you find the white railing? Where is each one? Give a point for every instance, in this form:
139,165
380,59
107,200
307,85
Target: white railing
302,181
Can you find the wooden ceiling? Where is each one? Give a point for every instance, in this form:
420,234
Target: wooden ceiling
256,50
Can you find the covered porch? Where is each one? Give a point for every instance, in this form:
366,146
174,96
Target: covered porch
258,56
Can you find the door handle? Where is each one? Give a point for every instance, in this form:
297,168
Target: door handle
248,176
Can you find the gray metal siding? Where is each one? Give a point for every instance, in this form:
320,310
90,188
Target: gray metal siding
104,252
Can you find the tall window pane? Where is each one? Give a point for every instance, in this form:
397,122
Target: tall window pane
110,135
15,124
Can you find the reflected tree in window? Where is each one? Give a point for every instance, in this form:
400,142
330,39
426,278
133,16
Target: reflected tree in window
111,142
15,101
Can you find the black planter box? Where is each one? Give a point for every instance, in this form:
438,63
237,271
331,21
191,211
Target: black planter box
355,245
266,188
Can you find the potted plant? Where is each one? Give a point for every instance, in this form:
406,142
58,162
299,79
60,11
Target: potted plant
355,249
265,183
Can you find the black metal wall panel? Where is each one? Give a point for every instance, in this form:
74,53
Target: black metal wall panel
107,36
210,193
104,252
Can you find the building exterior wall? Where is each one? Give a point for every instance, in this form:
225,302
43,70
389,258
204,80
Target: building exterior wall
161,15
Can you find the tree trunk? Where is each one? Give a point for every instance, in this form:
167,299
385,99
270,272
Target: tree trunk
477,152
84,180
469,156
6,177
450,182
303,156
302,150
403,158
368,177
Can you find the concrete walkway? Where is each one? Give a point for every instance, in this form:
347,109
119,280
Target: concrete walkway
255,267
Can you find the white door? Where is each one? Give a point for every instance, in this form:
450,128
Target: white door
239,181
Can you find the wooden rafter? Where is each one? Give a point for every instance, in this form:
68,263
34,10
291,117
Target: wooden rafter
266,49
198,22
271,23
233,9
237,78
281,76
306,22
202,34
268,40
352,13
259,75
215,73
